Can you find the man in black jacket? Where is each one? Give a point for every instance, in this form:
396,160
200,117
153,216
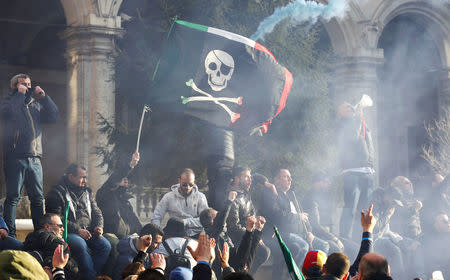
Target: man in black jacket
242,208
46,239
85,221
23,112
113,199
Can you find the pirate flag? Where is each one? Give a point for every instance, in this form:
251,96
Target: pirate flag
223,78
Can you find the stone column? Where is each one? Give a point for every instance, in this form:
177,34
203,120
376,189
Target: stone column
91,89
444,93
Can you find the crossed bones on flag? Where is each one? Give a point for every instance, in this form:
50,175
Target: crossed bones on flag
218,100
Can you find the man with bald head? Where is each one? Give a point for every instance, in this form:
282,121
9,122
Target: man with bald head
184,201
373,266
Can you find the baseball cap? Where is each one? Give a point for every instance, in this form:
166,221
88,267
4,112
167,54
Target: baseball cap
314,261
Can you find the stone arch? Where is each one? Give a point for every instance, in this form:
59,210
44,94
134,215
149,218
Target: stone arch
342,32
434,19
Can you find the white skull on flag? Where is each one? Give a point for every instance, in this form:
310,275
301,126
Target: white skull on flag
219,67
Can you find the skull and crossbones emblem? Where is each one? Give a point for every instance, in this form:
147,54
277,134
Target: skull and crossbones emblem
219,67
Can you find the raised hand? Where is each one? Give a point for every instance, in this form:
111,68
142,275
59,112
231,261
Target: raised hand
59,258
144,242
261,221
251,221
368,221
135,159
203,250
158,260
38,92
224,255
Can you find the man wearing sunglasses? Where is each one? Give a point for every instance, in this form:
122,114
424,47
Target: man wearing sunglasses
184,201
43,242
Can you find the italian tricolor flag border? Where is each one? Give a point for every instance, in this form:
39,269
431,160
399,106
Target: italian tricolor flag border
244,40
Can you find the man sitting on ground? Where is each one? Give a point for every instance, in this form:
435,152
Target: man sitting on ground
46,239
85,221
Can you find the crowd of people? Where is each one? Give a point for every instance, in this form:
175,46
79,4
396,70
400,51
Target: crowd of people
104,239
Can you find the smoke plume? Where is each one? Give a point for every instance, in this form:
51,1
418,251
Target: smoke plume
301,11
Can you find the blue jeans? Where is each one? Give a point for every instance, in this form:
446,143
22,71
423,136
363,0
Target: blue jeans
10,243
358,189
91,254
18,172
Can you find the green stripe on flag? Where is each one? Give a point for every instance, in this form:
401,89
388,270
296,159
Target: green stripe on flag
192,25
66,215
293,269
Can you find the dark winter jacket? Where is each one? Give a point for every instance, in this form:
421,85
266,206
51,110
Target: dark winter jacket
83,211
127,252
354,145
117,211
241,208
218,230
45,242
22,124
277,211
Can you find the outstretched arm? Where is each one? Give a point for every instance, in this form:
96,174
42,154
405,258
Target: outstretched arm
368,222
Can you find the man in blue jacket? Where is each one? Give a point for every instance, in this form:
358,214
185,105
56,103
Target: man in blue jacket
23,112
7,242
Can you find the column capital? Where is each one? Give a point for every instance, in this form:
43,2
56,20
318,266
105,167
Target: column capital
91,40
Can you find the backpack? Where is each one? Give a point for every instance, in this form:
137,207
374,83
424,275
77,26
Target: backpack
176,258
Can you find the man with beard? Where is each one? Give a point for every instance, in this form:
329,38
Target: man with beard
242,208
184,201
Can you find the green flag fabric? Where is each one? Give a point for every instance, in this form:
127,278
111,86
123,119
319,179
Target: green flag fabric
66,214
293,269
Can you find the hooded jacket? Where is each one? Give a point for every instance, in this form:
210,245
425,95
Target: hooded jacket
186,208
83,210
126,249
22,124
20,265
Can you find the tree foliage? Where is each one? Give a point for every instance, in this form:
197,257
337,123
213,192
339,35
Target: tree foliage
298,138
437,152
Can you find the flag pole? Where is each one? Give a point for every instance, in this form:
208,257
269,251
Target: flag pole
66,215
144,110
292,267
168,34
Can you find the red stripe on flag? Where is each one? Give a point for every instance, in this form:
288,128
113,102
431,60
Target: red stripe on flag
264,49
288,80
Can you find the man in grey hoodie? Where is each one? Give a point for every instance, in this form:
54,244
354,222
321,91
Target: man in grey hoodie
184,201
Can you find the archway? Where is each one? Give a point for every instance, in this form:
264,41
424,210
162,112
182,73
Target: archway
408,95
